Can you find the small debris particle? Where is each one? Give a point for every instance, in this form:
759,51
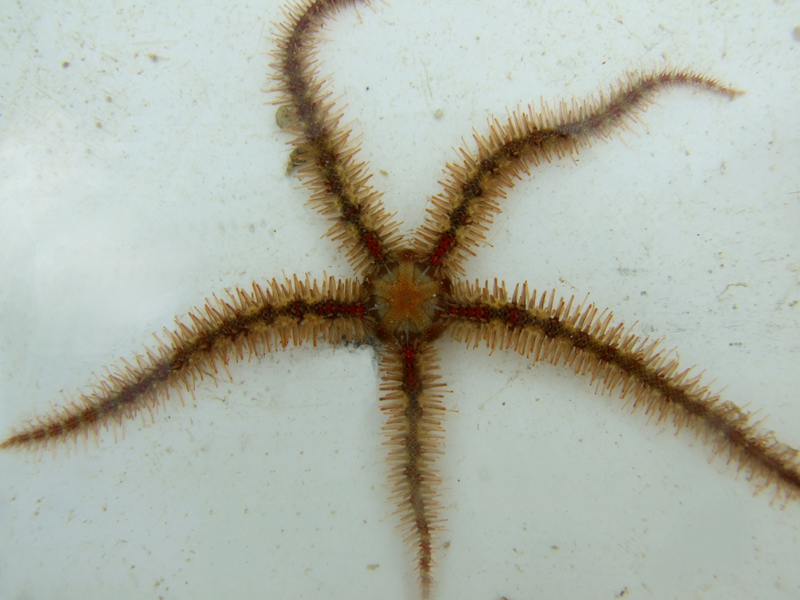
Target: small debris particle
283,117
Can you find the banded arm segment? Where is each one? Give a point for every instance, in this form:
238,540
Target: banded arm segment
414,413
461,214
245,324
546,328
340,183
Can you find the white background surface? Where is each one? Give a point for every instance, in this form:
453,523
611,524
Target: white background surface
149,174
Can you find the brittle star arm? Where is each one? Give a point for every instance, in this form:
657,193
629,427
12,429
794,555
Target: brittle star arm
340,185
414,413
244,324
546,328
460,215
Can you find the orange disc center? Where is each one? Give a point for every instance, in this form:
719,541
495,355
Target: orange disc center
406,299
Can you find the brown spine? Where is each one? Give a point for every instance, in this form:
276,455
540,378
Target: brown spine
461,214
588,341
414,427
247,323
338,182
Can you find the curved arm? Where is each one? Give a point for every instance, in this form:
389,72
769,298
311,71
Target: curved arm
546,328
339,183
462,212
251,323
